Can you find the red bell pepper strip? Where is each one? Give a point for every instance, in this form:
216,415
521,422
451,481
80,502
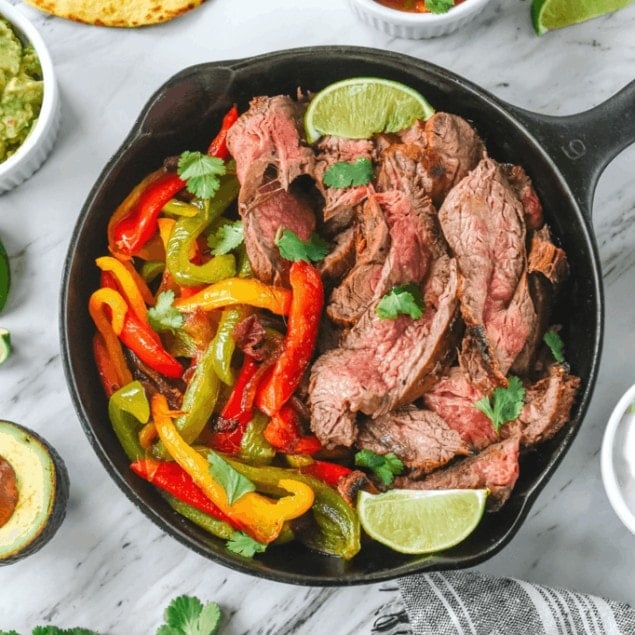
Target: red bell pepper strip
109,374
147,345
329,473
128,234
218,146
307,301
171,477
284,433
239,408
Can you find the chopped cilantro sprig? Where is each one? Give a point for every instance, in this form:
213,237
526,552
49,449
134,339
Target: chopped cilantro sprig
553,340
405,299
293,248
384,466
187,615
201,173
439,6
163,316
504,404
348,173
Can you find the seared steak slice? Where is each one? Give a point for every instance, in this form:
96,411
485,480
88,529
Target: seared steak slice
450,149
483,222
420,438
495,468
522,185
453,398
275,212
384,364
547,408
340,260
267,138
340,203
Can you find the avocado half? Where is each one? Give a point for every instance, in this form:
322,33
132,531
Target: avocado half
34,488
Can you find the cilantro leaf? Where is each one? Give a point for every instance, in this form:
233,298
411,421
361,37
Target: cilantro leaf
163,316
439,6
405,299
227,237
346,173
292,247
504,404
553,340
54,630
244,545
9,633
201,173
384,466
232,481
186,615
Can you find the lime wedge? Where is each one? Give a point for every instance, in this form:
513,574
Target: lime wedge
5,276
358,108
547,15
421,521
5,345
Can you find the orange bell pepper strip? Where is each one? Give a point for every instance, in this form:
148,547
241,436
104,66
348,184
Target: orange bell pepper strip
284,433
110,373
108,329
259,516
299,343
232,291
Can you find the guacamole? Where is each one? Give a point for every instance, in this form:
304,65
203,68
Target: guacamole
21,90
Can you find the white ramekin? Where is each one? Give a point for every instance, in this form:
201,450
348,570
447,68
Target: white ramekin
618,459
38,145
415,26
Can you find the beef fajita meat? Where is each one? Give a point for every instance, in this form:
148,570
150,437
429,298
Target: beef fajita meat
483,222
420,438
495,468
383,364
522,185
341,259
265,139
453,398
444,149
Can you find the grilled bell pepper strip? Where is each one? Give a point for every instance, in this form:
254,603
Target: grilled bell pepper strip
186,231
336,530
329,473
224,343
172,478
109,375
304,318
232,291
211,525
135,220
260,517
132,332
284,433
128,285
218,146
128,410
106,327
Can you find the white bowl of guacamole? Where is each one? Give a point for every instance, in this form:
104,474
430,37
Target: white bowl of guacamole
29,99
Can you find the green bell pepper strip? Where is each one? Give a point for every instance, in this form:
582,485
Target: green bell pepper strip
129,410
186,232
211,525
224,343
5,276
253,445
336,530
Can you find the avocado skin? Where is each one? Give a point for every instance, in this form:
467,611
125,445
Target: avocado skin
58,512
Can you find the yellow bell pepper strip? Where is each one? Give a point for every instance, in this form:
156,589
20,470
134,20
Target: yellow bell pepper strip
135,221
107,329
335,529
299,343
261,517
128,285
232,291
185,233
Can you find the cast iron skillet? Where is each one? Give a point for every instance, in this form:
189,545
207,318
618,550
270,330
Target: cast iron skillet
564,156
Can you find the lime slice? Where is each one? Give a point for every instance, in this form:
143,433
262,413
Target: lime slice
547,15
359,107
5,345
421,521
5,276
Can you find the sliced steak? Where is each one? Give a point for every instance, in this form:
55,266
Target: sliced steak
340,203
274,213
384,364
341,258
450,149
483,222
420,438
453,398
267,137
547,408
495,468
522,185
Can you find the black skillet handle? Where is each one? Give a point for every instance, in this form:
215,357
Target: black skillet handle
582,145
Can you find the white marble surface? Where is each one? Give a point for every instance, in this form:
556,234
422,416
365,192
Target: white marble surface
109,568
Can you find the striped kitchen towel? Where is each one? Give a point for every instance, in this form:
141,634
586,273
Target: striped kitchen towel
467,603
